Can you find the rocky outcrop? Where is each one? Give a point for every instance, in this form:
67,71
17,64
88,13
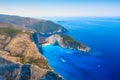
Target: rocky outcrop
68,42
21,60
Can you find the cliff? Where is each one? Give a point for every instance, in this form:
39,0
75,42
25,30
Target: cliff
39,25
68,42
20,58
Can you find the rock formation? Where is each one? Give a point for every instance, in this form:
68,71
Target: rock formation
68,42
20,58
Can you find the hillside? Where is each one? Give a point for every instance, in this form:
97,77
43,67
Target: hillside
20,58
48,27
68,42
39,25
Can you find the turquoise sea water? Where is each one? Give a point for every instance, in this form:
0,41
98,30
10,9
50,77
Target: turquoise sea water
102,35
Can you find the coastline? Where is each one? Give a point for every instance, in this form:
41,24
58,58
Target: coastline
45,44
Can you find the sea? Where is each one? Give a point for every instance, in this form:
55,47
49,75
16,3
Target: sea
102,35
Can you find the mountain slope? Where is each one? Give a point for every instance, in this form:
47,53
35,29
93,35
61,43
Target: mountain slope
39,25
48,27
20,58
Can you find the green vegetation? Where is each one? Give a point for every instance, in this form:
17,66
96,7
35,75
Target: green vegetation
47,27
39,61
72,42
41,26
67,38
10,31
21,57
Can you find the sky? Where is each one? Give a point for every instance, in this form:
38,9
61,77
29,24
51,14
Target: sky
59,8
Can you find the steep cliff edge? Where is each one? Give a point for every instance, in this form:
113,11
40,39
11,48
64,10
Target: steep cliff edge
20,58
68,42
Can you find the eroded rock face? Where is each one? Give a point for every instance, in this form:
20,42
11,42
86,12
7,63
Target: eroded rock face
68,42
4,40
15,71
51,76
21,60
9,70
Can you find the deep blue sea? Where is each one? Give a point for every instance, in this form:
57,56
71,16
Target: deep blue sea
102,35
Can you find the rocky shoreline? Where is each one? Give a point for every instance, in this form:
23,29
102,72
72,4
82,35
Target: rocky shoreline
66,41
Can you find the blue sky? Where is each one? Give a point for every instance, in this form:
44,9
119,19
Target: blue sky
85,8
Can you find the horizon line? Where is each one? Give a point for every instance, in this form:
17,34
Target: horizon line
61,16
